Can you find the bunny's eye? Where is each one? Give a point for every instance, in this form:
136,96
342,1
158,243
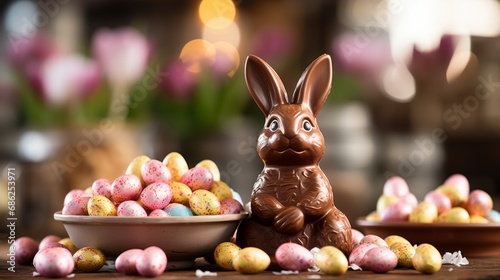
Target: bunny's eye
307,125
274,125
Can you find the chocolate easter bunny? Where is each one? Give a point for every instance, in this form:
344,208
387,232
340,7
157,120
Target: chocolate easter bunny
292,199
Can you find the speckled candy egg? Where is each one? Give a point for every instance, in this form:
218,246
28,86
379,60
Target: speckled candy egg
396,186
375,239
153,171
391,239
221,190
156,196
425,212
210,165
356,236
479,203
198,178
177,209
224,254
135,166
100,205
89,259
359,251
398,211
459,182
442,201
176,164
456,197
292,256
69,244
454,215
130,208
101,186
77,205
26,249
331,260
54,262
230,206
51,238
158,213
180,193
203,202
72,194
126,187
427,259
385,200
151,262
125,263
251,260
404,252
379,260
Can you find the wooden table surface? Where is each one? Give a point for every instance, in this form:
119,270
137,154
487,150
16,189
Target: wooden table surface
478,269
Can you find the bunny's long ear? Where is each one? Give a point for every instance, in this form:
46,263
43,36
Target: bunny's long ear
264,84
315,83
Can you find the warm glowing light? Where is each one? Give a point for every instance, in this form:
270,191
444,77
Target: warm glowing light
217,14
398,83
460,58
197,53
228,58
230,34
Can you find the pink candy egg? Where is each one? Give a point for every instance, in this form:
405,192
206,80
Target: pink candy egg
460,182
72,194
375,239
230,206
126,187
479,203
442,201
151,262
126,262
359,251
54,262
356,236
155,171
130,208
379,260
156,196
158,213
398,211
48,239
101,187
26,249
396,186
198,178
292,256
77,205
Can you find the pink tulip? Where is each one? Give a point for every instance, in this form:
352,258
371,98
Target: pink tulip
29,52
122,54
179,82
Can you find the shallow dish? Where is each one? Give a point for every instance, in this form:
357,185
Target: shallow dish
473,240
182,238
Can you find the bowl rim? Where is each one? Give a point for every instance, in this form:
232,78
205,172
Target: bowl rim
361,221
58,216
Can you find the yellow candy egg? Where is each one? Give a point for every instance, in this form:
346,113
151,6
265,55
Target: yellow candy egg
224,254
385,200
68,243
177,165
425,212
134,167
221,190
331,260
251,260
373,217
89,259
203,202
405,252
454,215
391,239
99,205
478,219
210,165
456,197
180,193
427,259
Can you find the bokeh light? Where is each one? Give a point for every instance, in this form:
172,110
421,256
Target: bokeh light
197,53
217,14
228,58
398,83
230,34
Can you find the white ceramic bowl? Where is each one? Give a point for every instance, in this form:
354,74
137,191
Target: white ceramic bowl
182,238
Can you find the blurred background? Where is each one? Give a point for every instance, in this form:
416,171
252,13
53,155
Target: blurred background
85,86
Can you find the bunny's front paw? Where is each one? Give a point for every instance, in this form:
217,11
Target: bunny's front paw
290,220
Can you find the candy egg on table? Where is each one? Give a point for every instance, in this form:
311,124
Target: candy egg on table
251,260
198,178
69,244
176,164
331,260
51,238
151,262
203,202
126,187
356,236
131,208
224,254
230,206
391,239
54,262
125,263
25,250
221,190
134,167
156,195
212,167
379,260
101,186
89,259
427,259
359,251
177,209
404,252
454,215
99,205
292,256
180,193
425,212
155,171
371,238
479,203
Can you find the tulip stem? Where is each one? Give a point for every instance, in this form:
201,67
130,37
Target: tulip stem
119,103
